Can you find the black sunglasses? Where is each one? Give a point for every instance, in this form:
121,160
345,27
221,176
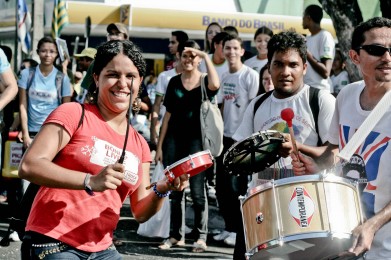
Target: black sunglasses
375,50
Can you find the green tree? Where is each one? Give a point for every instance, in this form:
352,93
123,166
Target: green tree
346,15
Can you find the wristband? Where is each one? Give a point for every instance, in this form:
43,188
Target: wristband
87,186
160,195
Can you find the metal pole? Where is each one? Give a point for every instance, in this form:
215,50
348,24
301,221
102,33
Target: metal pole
16,49
38,25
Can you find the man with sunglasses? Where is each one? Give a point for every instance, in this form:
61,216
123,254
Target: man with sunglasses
370,51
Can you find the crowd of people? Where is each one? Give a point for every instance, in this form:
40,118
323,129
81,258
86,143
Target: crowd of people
94,131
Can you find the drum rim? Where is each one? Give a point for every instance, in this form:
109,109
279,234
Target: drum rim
254,134
269,134
194,155
273,243
298,179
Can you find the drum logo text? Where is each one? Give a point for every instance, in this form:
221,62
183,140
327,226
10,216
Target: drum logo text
301,207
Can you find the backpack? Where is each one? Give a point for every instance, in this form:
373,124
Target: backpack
313,100
59,79
212,125
19,221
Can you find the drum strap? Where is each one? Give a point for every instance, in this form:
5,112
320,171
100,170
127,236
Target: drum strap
313,101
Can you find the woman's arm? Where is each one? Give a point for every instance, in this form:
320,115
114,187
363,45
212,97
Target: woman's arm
145,203
213,77
24,118
37,166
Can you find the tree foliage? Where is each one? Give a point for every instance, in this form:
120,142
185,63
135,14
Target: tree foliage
346,15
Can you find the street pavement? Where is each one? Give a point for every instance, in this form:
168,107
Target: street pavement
143,248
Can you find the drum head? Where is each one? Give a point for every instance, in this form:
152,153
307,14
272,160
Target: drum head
254,153
192,165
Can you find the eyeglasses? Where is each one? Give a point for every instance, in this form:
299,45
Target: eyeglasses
375,50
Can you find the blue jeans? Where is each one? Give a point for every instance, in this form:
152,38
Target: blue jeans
175,149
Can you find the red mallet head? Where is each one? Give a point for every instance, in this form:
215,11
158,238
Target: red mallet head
287,115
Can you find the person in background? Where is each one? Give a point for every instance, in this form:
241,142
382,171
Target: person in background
84,60
232,30
115,31
8,91
158,110
77,206
139,119
151,87
180,136
27,63
287,66
339,76
320,46
221,65
210,32
370,52
217,55
265,81
38,99
261,38
177,37
238,87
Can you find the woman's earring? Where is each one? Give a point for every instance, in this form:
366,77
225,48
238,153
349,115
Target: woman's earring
136,106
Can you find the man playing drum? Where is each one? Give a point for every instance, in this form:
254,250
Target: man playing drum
287,66
370,51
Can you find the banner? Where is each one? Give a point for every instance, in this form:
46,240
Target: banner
60,18
24,26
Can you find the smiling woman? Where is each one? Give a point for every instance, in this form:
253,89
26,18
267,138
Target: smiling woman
79,166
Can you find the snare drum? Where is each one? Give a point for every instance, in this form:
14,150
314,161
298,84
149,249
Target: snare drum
254,153
301,217
192,165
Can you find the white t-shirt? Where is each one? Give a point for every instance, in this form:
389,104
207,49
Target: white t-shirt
268,117
321,45
161,86
220,68
339,81
376,154
255,63
4,64
237,90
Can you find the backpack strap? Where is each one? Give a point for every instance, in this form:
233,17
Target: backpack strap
314,105
30,78
81,117
259,102
204,94
59,83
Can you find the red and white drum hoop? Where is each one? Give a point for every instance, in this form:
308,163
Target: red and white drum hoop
192,165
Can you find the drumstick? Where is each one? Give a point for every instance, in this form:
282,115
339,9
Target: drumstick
287,115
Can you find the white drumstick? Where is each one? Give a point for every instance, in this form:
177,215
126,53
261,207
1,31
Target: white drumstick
366,127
